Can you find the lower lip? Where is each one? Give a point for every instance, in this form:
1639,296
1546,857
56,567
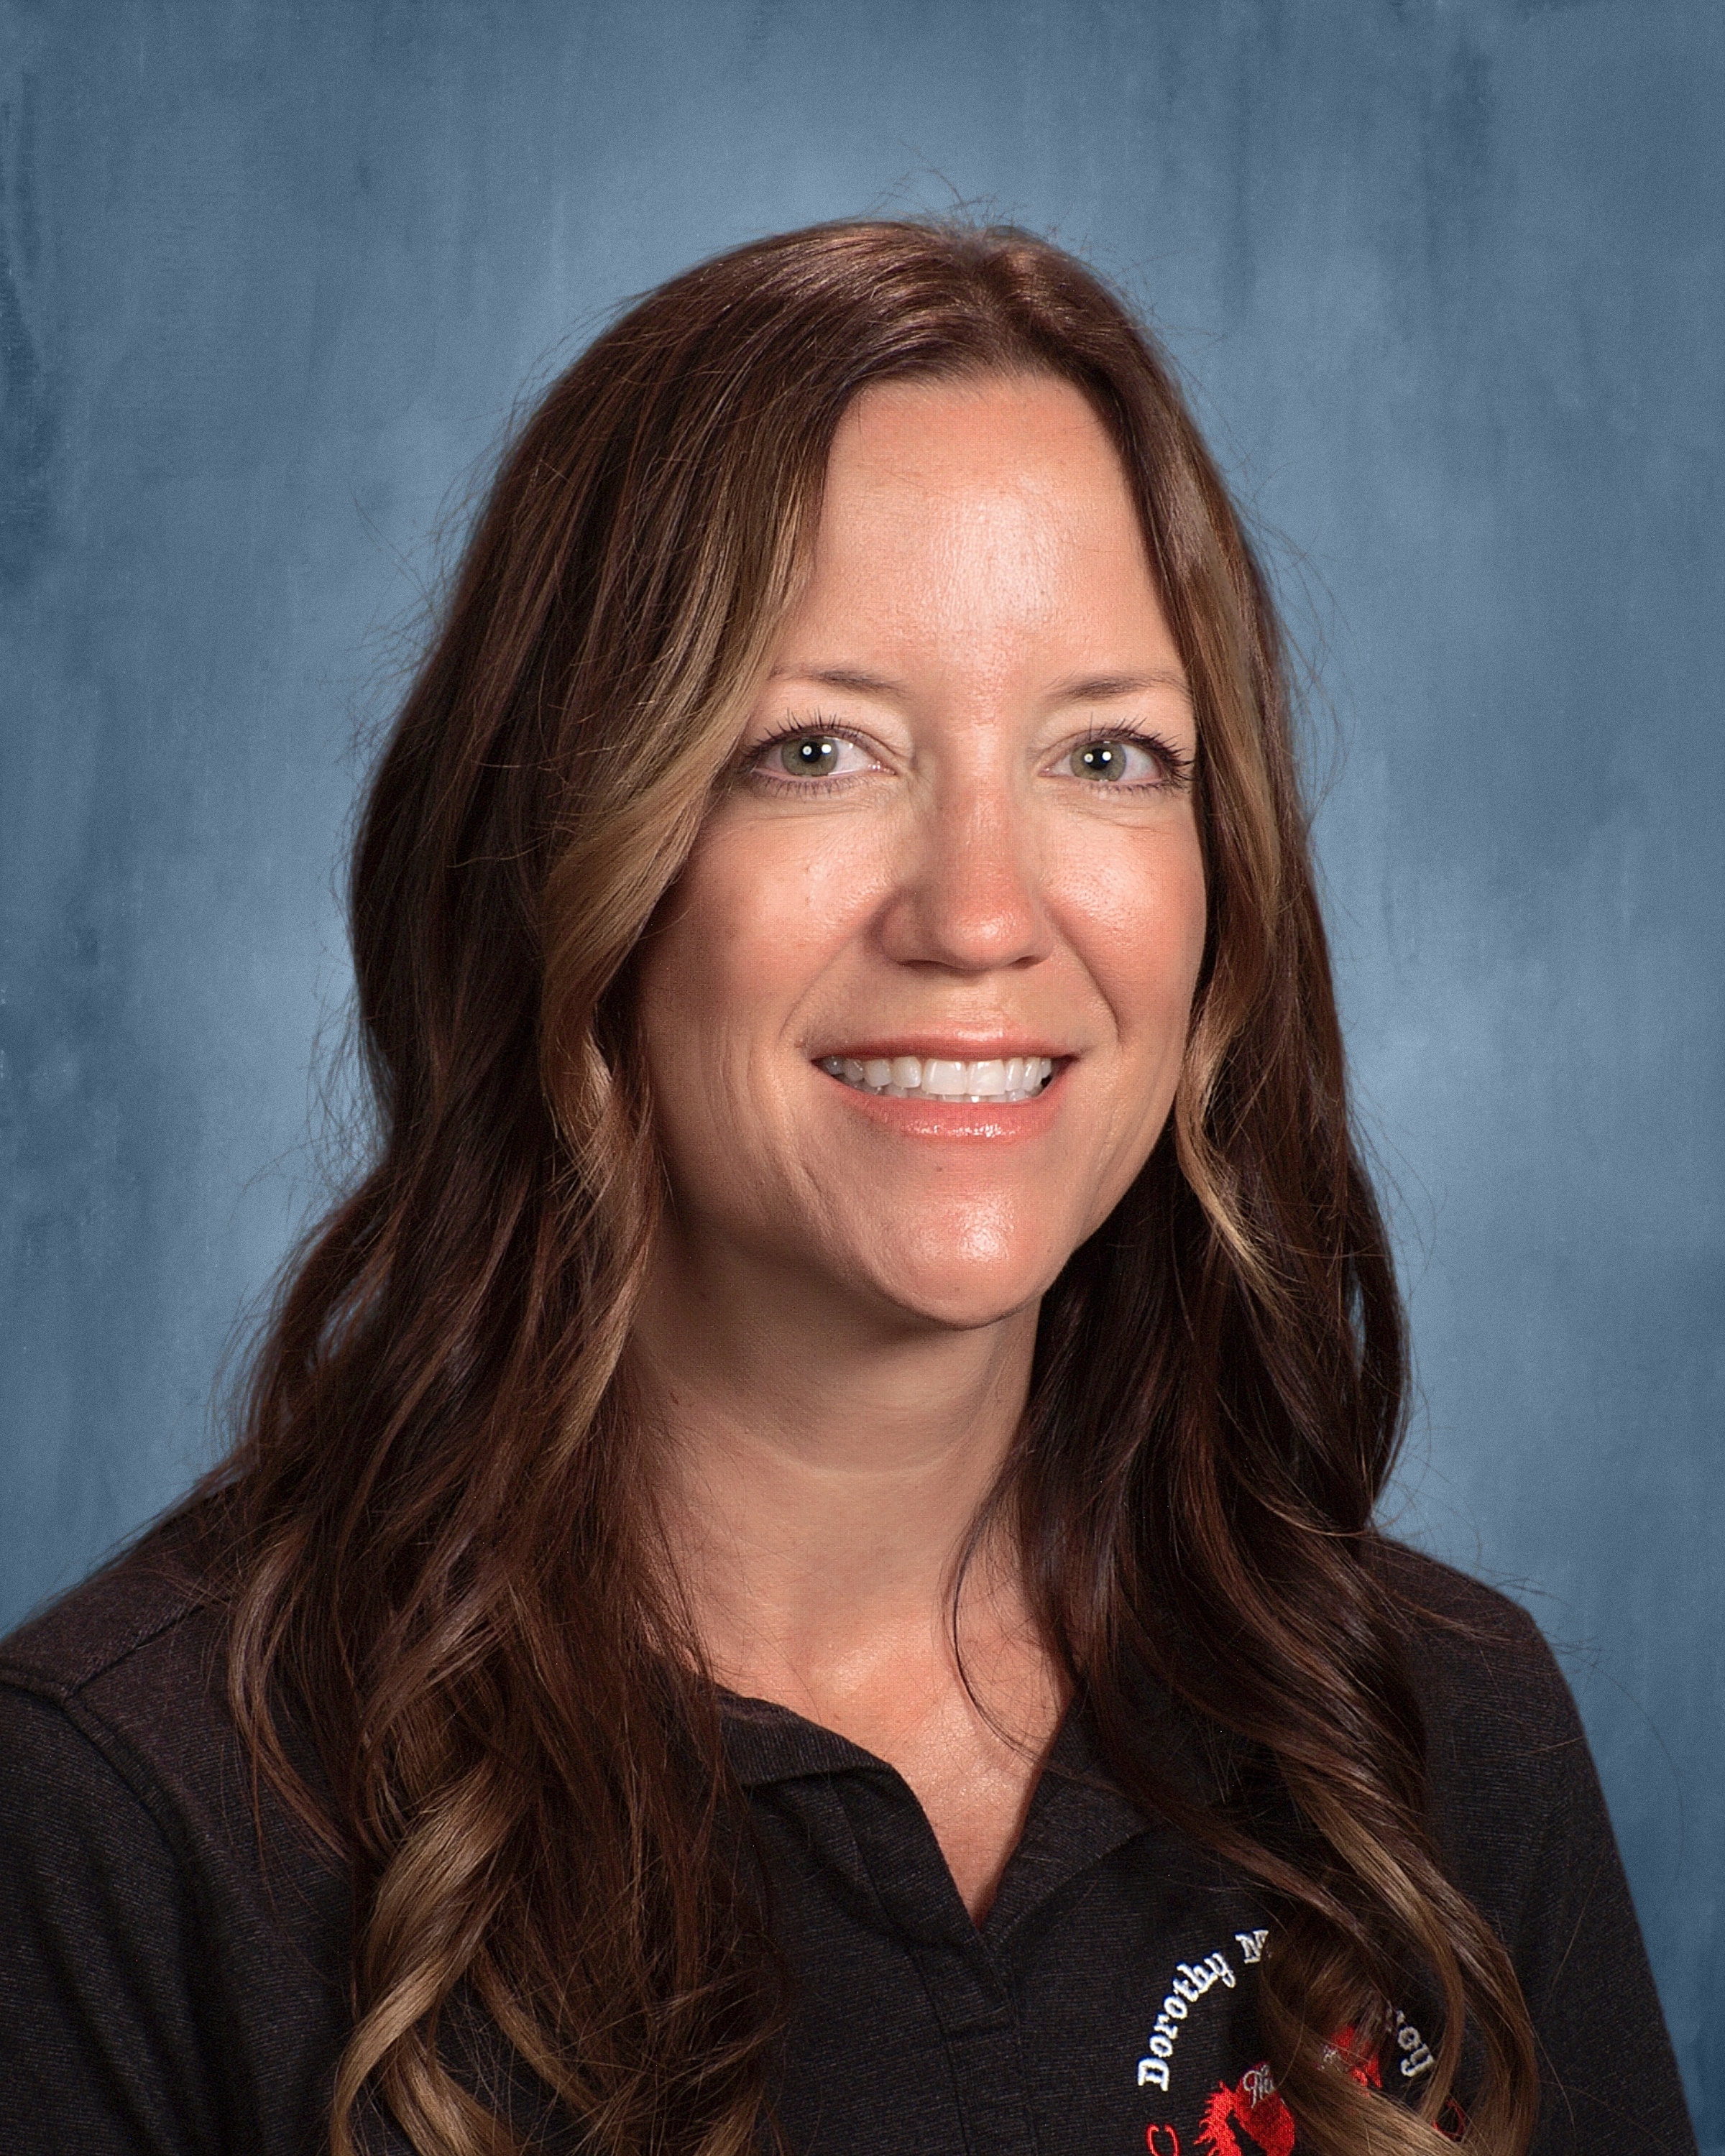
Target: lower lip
994,1120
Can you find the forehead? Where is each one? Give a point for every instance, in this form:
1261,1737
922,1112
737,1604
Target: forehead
990,516
1027,434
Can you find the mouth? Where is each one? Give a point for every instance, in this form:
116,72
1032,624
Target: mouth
997,1079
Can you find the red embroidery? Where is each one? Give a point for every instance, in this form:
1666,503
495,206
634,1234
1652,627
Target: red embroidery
1253,2105
1161,2141
1363,2069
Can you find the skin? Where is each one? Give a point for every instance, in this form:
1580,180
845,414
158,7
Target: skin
837,1330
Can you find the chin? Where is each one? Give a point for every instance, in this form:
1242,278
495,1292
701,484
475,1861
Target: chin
966,1313
964,1288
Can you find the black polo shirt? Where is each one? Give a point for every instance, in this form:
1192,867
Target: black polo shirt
1106,2000
166,1991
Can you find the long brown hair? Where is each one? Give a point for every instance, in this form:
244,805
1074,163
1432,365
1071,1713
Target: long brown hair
442,1576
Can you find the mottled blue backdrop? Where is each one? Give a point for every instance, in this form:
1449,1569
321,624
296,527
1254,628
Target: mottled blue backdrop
1446,276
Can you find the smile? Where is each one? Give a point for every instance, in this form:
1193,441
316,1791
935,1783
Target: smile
934,1078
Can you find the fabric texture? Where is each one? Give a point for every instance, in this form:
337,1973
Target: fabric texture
170,1986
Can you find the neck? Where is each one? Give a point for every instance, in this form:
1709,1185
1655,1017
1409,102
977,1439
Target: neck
822,1468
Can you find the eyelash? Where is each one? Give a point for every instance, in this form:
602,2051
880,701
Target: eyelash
1177,768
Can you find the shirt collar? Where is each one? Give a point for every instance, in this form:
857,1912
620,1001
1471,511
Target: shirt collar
1076,1817
767,1742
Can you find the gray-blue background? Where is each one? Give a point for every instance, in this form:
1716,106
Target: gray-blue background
1447,279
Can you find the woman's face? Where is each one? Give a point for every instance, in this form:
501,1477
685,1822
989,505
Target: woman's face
960,852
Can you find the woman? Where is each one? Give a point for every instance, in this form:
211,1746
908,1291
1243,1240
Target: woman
800,1562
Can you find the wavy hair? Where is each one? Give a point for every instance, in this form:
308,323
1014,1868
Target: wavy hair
443,1582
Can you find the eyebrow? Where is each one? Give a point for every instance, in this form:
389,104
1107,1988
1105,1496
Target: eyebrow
840,677
1104,687
1082,689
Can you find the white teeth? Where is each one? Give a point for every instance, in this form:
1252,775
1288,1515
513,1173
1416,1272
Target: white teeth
938,1078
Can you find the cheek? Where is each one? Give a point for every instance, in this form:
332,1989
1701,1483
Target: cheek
749,928
1142,924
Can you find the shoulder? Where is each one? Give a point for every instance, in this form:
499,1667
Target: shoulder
117,1694
1480,1660
1499,1716
133,1661
177,1945
147,1595
1493,1696
1515,1805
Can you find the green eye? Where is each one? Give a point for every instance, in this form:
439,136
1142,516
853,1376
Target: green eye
809,755
1100,759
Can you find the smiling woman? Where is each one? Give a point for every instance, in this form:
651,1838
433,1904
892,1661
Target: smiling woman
996,862
800,1566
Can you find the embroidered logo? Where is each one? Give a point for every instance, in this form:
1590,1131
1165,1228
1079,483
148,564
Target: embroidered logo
1253,2105
1252,2118
1415,2058
1189,1983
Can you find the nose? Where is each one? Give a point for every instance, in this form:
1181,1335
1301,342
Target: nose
968,896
